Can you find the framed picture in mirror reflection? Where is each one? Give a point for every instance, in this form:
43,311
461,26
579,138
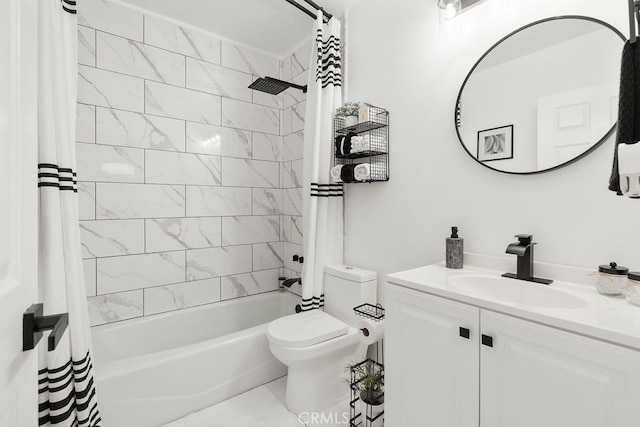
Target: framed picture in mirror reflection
495,144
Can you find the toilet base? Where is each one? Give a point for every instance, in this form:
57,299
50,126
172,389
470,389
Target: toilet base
316,388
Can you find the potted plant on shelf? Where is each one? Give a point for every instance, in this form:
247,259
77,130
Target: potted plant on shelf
349,111
368,382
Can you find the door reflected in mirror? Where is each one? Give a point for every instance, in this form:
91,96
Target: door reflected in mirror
543,96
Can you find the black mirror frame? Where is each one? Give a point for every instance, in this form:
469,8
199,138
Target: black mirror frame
457,105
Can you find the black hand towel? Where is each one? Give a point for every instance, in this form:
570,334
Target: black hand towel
347,173
339,144
343,144
628,131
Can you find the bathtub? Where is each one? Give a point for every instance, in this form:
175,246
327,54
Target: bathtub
155,369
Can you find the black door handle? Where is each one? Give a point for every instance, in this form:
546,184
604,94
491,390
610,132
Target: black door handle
487,340
464,332
34,323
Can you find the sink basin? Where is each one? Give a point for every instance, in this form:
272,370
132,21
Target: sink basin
515,291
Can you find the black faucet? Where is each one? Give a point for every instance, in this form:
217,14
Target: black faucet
523,248
290,282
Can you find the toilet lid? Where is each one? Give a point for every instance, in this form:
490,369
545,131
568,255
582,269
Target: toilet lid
305,329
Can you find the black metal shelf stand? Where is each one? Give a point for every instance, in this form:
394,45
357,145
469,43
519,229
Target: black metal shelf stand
356,418
376,152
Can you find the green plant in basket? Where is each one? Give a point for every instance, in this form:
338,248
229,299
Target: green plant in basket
348,109
369,381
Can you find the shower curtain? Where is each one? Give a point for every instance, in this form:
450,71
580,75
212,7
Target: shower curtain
66,391
322,199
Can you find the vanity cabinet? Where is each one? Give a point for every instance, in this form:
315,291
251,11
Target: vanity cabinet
431,372
503,372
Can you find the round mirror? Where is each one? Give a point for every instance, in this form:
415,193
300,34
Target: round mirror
543,96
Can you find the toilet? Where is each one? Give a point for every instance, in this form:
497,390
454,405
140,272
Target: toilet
318,345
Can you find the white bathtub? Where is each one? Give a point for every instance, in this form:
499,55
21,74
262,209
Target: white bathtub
153,370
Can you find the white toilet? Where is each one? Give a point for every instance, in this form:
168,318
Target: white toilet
318,345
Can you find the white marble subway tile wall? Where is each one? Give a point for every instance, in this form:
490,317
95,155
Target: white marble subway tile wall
189,182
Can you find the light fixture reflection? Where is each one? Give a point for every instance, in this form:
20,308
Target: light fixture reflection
118,169
211,144
450,11
450,8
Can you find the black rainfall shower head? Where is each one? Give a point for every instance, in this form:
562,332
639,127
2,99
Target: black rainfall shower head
274,86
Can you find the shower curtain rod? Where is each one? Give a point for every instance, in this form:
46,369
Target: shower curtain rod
294,3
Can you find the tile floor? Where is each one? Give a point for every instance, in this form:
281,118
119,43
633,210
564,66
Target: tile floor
262,407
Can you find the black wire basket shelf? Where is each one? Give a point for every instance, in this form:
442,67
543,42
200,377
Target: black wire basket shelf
370,311
373,135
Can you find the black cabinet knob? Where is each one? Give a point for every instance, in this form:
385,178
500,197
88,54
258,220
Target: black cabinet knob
487,340
464,332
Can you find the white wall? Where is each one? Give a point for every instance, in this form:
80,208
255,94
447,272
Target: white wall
399,60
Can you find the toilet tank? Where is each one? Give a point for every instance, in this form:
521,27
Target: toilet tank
346,287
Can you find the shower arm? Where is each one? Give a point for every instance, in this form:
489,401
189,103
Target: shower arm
293,85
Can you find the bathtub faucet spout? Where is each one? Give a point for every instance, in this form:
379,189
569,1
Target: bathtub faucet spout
290,282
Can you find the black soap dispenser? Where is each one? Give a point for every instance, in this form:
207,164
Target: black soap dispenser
454,249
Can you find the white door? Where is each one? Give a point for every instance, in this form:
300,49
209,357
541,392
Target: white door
536,376
18,209
569,123
431,368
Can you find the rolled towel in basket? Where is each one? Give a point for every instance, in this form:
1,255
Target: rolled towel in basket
335,173
362,171
359,143
343,144
347,173
339,144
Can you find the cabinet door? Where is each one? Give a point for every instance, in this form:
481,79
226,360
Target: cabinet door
537,376
431,371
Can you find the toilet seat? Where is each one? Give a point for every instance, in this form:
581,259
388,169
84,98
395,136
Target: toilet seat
305,329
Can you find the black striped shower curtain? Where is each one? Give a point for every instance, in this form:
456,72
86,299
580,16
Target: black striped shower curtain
322,199
66,390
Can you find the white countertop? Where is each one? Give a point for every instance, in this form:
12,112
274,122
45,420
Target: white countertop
609,318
